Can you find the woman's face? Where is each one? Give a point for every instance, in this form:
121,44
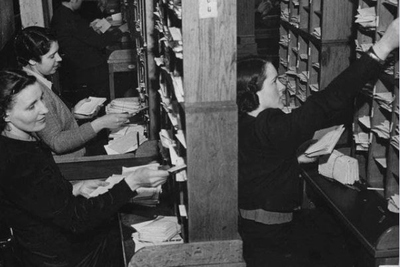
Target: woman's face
49,62
28,112
271,94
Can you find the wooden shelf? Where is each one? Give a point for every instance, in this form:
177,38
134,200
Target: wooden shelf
330,51
196,95
380,147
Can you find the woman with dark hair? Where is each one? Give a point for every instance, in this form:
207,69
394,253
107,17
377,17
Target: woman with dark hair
84,48
269,140
37,51
51,226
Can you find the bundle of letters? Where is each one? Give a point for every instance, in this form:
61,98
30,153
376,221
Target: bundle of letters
129,105
164,230
339,167
146,196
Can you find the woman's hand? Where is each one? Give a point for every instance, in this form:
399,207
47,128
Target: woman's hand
81,116
85,188
146,177
305,159
94,26
389,41
110,121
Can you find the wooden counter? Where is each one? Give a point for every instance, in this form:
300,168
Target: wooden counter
364,213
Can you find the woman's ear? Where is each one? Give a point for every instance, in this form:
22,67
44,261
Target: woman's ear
32,62
7,117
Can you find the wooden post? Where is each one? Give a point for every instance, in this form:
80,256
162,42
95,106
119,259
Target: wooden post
246,44
35,13
7,26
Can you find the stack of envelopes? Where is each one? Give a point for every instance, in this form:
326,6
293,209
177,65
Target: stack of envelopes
340,167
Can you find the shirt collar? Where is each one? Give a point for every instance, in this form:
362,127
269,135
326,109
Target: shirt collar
39,77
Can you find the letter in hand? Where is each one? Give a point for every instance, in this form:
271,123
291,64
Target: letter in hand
82,116
94,26
146,177
85,188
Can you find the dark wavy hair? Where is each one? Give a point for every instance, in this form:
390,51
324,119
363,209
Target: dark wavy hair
32,43
11,83
250,77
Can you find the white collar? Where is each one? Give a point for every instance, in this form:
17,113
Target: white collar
38,77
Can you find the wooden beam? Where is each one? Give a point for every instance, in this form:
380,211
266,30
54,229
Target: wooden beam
35,13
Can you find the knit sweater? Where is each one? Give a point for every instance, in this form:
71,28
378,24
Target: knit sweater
62,133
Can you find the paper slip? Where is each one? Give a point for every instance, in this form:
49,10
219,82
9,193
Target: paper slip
124,27
181,137
131,128
123,144
182,210
172,154
393,203
153,166
382,162
173,118
141,244
165,139
103,25
109,151
90,107
181,176
116,16
178,87
175,33
112,180
177,168
326,143
366,121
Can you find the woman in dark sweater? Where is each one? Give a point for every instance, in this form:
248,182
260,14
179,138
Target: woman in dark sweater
52,227
269,139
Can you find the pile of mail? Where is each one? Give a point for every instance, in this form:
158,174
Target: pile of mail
366,17
161,229
340,167
129,105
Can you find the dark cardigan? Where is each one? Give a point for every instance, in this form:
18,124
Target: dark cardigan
52,227
268,167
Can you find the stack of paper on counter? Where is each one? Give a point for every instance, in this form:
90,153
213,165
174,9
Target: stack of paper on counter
327,139
129,105
147,196
125,139
340,167
164,230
